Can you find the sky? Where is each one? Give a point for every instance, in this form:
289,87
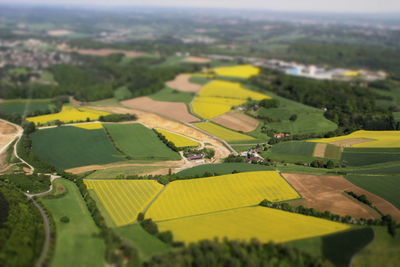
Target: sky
348,6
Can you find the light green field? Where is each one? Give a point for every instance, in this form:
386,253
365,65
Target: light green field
76,243
23,106
171,95
223,133
147,244
122,171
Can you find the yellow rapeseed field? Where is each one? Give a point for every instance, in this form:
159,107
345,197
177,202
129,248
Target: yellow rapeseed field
372,138
262,223
124,199
227,89
69,114
89,126
222,132
177,139
240,71
219,97
198,196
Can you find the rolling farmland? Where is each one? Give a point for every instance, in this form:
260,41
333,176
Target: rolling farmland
385,186
124,199
262,223
139,142
223,168
223,133
218,97
187,197
89,126
367,156
69,114
240,71
178,140
363,138
69,147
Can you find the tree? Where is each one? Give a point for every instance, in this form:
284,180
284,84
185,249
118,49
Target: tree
330,164
64,219
293,117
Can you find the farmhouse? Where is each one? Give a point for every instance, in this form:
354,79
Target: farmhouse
195,157
281,135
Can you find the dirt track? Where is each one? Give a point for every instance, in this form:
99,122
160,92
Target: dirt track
197,60
327,193
182,83
173,110
237,121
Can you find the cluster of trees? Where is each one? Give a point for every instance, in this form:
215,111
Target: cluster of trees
209,153
151,227
327,164
118,117
361,198
98,77
168,143
228,253
350,106
21,228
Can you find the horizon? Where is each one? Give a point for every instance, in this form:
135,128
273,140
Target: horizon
204,5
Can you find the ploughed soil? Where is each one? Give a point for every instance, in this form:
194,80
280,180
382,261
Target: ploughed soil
237,121
152,120
197,60
182,83
327,193
8,133
100,52
173,110
319,150
351,141
59,32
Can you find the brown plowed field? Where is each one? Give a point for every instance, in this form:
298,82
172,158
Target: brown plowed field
152,120
237,121
100,52
327,193
173,110
59,32
182,83
319,150
351,141
8,133
201,60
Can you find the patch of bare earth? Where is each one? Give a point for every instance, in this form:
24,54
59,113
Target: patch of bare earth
182,83
152,120
100,52
351,142
327,193
319,150
201,60
8,133
173,110
59,32
83,169
237,121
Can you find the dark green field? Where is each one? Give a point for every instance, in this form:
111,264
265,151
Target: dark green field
387,187
368,156
291,152
223,168
341,247
395,169
25,106
139,142
70,147
333,152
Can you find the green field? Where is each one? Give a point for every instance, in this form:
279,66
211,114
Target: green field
69,147
387,187
21,106
384,250
121,171
199,79
171,95
147,244
139,142
223,168
76,243
339,248
333,152
309,120
394,169
293,151
368,156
